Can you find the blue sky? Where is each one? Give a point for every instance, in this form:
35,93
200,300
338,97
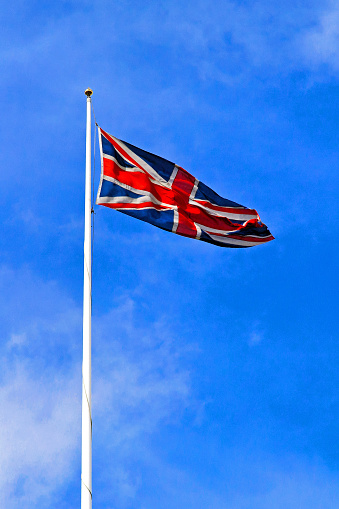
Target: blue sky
214,371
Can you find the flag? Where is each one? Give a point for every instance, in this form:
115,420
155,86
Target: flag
150,188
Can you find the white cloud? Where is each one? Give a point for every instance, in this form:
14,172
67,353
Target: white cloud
243,480
17,340
321,42
292,482
39,397
39,438
256,337
223,41
138,373
138,382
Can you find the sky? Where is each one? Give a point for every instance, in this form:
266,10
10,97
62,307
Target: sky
214,370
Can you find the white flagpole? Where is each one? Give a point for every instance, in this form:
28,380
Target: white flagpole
86,445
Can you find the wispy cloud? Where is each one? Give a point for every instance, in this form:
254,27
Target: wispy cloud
39,435
139,383
143,376
321,42
225,42
39,396
244,480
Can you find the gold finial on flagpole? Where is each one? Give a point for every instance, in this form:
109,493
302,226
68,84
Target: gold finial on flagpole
88,92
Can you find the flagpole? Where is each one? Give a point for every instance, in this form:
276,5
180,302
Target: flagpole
86,444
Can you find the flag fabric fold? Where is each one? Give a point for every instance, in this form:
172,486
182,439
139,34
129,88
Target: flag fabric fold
150,188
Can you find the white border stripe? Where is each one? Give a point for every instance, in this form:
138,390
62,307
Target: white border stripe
194,190
124,199
227,240
176,220
121,209
124,168
220,213
209,230
150,196
134,157
198,235
174,174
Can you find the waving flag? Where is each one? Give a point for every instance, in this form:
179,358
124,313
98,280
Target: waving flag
162,193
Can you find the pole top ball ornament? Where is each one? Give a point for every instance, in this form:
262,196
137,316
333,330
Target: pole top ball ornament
88,92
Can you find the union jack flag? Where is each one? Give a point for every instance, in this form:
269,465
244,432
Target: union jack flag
162,193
